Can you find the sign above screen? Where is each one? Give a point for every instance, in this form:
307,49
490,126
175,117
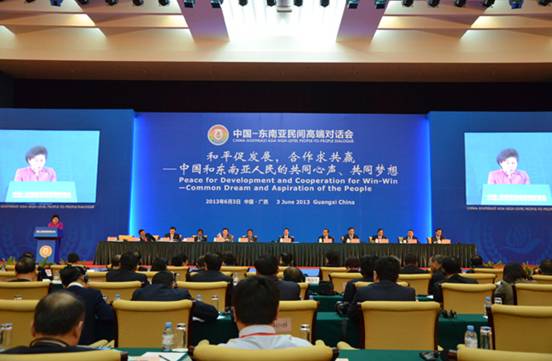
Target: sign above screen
48,166
508,169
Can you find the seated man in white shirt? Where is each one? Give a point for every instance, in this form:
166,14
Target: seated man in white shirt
255,307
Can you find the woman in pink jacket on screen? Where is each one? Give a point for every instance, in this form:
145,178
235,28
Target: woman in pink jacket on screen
36,171
508,172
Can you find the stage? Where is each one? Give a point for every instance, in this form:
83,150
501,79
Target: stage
304,254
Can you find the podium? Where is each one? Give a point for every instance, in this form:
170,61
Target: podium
46,244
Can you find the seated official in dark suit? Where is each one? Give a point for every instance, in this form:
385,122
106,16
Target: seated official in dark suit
25,270
411,265
367,264
286,237
145,237
267,266
163,288
379,237
452,270
385,288
437,273
98,314
56,327
350,237
250,236
212,273
437,236
127,271
325,237
410,237
172,235
200,236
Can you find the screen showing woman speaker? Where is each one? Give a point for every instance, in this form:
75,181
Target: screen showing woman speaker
48,166
508,169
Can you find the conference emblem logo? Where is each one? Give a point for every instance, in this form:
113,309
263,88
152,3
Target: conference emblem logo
45,251
218,134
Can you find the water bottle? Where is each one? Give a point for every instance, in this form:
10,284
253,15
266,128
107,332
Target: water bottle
498,300
117,296
486,340
215,301
181,342
6,331
235,279
486,305
470,337
305,329
198,297
168,337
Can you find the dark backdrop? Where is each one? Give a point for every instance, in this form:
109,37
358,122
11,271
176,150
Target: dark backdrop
313,97
6,91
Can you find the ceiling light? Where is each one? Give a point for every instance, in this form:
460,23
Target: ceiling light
298,2
111,2
407,3
164,2
380,4
433,3
137,2
216,4
56,2
270,2
191,3
459,3
324,3
516,4
488,3
544,2
352,4
243,2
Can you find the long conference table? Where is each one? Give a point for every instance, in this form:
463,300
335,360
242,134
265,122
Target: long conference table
304,254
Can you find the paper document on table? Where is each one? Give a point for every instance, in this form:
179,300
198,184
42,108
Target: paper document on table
161,356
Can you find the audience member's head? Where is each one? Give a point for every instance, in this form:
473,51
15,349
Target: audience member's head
387,269
25,268
129,261
513,272
367,264
229,259
352,264
213,262
410,260
286,259
164,278
27,254
138,256
73,258
266,265
332,259
451,266
294,274
159,264
200,263
546,267
116,261
476,261
255,302
72,274
435,262
179,260
59,315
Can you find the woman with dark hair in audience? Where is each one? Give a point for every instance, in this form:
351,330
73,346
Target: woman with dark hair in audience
159,264
331,259
513,273
352,264
229,259
294,274
286,259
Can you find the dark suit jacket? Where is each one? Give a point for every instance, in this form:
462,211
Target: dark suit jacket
346,237
350,288
149,238
200,239
122,275
436,277
455,278
214,276
289,291
411,269
176,237
96,310
380,291
435,240
158,292
45,345
322,237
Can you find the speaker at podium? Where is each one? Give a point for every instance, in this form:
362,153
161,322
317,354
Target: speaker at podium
47,244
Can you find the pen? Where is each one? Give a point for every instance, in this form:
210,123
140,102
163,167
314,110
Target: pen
163,358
